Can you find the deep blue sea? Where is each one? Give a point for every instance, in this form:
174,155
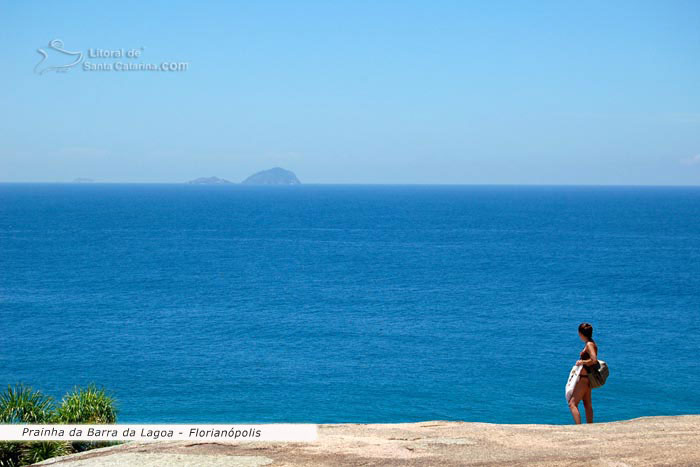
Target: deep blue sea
351,303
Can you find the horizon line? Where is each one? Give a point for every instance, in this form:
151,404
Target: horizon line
229,184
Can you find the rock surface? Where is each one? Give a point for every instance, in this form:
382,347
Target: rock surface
275,176
643,441
209,181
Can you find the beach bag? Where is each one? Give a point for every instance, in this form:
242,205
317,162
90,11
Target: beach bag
598,377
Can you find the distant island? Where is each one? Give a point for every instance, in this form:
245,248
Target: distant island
275,176
83,180
209,181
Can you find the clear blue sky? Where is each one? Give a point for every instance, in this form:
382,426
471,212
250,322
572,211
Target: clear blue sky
560,92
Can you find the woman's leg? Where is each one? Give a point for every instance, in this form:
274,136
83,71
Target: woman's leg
579,391
588,404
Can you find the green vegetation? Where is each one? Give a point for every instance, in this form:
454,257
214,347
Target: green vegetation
42,450
89,405
22,404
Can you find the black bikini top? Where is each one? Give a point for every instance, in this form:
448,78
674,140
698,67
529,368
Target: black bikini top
585,356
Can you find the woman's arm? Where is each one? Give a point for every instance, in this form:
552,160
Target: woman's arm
592,353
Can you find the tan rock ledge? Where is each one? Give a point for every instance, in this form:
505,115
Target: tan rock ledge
673,440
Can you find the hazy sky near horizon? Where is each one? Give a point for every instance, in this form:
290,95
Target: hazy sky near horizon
551,92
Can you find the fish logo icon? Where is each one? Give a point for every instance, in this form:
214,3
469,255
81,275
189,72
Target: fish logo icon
55,48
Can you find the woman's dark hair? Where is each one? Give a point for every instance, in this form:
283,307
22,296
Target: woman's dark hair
586,331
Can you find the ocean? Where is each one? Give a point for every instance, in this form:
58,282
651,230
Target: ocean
328,304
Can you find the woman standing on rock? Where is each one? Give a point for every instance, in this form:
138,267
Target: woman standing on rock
583,389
